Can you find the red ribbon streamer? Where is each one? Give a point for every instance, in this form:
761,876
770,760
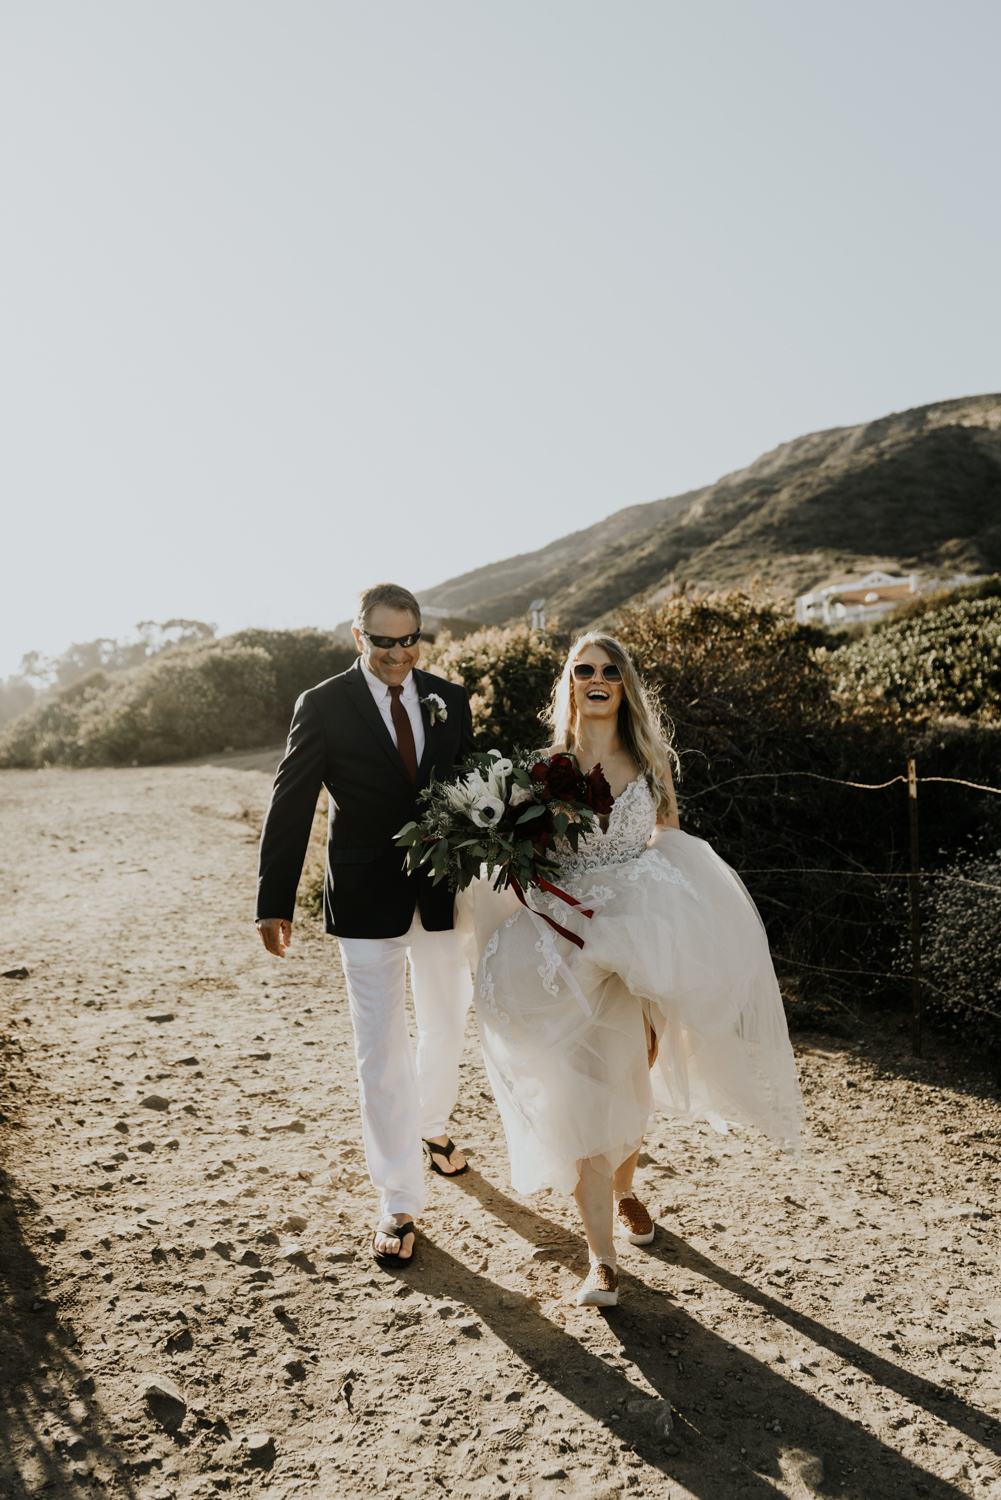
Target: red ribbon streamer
554,890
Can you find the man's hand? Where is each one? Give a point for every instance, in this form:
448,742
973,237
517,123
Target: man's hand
276,934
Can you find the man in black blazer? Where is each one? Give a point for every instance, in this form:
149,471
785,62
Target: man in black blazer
373,737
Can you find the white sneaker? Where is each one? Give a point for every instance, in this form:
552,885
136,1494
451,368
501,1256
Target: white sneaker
600,1288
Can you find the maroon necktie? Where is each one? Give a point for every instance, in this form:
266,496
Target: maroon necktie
404,732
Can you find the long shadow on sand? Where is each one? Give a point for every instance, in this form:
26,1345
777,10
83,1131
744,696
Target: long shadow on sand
50,1422
712,1424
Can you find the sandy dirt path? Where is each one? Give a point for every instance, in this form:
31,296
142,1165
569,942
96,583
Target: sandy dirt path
826,1326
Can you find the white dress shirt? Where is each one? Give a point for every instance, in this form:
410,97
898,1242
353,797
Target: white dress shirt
410,698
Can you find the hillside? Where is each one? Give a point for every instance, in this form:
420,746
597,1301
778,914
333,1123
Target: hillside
919,489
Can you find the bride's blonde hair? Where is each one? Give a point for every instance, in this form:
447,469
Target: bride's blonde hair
644,732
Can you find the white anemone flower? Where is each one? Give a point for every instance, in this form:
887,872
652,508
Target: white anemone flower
472,796
487,812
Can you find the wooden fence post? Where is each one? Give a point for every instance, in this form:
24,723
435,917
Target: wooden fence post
914,883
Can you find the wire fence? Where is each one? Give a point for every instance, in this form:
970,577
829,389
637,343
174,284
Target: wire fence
913,876
863,786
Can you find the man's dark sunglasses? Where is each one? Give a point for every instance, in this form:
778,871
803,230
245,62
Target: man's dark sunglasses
385,642
583,671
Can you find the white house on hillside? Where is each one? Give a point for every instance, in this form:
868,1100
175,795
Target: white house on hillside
867,598
856,599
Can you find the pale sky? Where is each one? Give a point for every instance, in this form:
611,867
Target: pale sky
297,297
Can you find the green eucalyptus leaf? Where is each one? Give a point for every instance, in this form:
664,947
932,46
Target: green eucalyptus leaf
535,811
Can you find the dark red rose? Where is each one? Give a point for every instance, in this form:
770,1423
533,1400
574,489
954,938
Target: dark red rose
540,771
564,780
599,794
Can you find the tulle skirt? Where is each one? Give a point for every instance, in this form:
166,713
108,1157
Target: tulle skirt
675,948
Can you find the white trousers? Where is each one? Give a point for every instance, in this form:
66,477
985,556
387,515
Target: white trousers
403,1100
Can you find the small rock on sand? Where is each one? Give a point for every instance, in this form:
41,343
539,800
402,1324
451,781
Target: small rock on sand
807,1467
654,1415
165,1401
161,1385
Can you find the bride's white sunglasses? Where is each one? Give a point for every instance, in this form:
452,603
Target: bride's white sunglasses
583,672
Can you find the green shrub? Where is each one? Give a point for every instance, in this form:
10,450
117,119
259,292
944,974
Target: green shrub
732,658
946,661
961,948
185,703
310,893
194,700
48,733
16,697
508,673
300,659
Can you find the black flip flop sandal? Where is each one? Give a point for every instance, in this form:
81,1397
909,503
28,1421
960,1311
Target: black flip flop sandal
394,1262
446,1152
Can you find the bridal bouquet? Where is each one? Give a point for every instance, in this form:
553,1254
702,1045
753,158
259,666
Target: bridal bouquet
504,813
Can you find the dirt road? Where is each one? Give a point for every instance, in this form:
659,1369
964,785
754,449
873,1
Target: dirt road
185,1213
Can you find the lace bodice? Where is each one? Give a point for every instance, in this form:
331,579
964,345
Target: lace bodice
630,824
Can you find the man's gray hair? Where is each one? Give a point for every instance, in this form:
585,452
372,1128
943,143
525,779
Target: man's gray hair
390,596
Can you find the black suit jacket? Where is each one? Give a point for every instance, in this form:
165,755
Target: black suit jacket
339,739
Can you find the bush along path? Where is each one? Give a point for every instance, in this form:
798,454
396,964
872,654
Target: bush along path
189,1306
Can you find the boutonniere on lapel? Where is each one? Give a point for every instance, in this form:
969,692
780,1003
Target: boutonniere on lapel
435,707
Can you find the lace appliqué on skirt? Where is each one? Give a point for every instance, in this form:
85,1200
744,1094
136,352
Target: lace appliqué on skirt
487,988
547,968
659,868
596,897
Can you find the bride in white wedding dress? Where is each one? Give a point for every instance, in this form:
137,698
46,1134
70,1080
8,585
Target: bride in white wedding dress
675,967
